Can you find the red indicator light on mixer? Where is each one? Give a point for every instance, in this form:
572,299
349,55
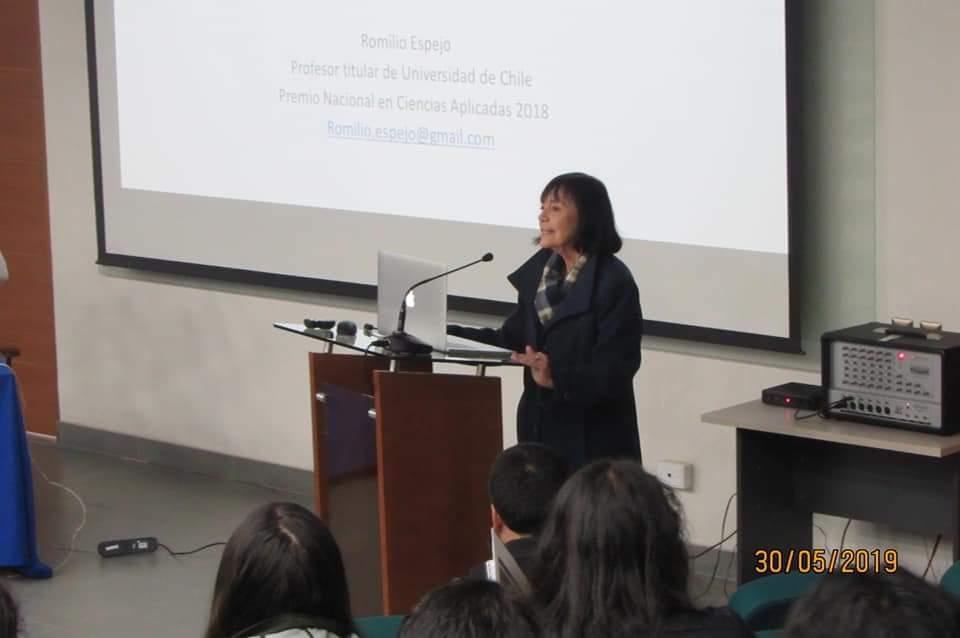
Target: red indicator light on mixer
901,356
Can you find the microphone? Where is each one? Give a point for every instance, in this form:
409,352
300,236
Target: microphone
403,343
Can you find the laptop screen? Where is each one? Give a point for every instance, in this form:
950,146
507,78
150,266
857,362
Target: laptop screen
427,315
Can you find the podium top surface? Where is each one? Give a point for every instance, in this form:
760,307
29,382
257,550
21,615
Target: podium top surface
361,343
759,417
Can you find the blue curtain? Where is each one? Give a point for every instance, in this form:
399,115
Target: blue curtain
18,528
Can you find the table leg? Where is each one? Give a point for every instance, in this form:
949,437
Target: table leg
768,517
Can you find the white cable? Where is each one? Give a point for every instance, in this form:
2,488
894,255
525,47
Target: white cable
716,565
83,507
826,545
83,520
726,575
930,568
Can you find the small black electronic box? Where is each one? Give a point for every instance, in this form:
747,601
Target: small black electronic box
801,396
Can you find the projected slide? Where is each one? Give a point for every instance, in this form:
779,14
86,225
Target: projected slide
398,107
298,137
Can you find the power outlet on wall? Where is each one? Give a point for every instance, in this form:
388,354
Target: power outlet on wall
676,474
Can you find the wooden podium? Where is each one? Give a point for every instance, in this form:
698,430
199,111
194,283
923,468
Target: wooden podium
401,458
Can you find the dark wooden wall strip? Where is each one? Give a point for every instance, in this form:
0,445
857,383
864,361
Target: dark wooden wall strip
26,301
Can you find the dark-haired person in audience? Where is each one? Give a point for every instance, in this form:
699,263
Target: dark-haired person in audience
577,328
523,481
469,609
281,574
612,561
874,605
9,617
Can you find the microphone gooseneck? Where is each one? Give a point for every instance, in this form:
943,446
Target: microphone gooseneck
403,343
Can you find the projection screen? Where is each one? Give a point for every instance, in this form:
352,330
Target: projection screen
286,142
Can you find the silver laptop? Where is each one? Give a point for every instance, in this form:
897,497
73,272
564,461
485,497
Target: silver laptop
426,309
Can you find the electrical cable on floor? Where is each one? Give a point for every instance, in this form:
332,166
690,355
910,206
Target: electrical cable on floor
83,520
714,546
192,551
826,547
83,507
843,537
936,546
72,548
933,568
716,565
77,550
726,574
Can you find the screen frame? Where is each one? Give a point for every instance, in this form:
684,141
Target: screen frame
498,309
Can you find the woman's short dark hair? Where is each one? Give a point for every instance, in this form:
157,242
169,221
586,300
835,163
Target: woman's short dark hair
611,554
9,617
874,605
469,609
596,232
281,560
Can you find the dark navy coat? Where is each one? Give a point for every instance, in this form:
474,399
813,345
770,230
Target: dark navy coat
593,343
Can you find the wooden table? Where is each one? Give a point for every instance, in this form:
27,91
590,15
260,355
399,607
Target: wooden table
787,469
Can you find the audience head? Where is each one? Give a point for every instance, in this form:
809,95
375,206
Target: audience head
281,560
611,556
523,481
596,231
9,618
898,605
469,609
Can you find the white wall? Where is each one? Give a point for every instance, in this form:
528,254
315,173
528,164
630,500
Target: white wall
917,172
918,159
197,363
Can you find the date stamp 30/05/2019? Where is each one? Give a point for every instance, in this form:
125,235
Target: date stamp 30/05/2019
822,561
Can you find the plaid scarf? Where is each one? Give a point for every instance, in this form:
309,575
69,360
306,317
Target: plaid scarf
554,286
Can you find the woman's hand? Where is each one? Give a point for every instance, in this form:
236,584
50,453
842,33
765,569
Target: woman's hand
539,364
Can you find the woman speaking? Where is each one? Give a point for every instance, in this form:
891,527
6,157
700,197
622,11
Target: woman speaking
577,329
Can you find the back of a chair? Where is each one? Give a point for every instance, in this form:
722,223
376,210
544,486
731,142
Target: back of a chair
379,626
951,580
764,603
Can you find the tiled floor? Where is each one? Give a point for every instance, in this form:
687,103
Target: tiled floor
149,595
